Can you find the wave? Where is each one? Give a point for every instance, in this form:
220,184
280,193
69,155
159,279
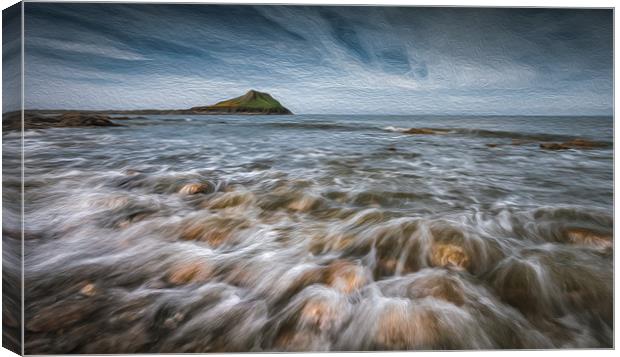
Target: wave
317,126
499,134
177,262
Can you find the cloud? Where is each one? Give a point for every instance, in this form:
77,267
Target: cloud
321,59
73,47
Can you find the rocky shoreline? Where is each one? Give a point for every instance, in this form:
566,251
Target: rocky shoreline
12,121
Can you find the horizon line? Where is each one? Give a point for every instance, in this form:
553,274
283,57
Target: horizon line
338,114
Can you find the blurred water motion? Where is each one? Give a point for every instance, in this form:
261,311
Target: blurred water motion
237,233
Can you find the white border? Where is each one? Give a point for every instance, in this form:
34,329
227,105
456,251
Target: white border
479,3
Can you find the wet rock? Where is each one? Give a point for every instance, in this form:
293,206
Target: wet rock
130,340
13,121
391,148
127,313
216,230
438,286
319,313
399,327
88,289
230,199
518,284
132,172
582,236
173,321
425,131
449,256
345,276
573,144
133,218
518,142
60,315
492,145
297,341
304,204
584,144
396,250
554,146
112,202
190,272
195,188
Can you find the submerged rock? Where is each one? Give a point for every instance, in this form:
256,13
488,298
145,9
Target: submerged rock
88,289
401,327
60,315
345,276
573,144
554,146
425,131
215,230
190,272
581,143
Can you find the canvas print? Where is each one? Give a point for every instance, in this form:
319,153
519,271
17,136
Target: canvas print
193,178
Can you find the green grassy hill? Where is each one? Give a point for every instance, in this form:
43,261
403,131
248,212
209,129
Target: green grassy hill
253,102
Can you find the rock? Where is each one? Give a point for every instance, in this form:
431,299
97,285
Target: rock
518,283
517,142
304,204
215,230
320,313
88,289
554,146
230,199
190,272
60,315
425,131
573,144
12,121
449,256
582,236
492,145
345,276
400,327
442,286
391,148
194,188
173,322
584,144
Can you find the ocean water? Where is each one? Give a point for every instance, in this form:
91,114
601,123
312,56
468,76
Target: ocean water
316,232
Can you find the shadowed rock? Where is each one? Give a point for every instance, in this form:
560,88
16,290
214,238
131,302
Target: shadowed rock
12,121
425,131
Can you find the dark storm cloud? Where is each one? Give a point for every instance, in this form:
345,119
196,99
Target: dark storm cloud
321,59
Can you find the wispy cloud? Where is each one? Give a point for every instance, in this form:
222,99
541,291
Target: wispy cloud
84,48
321,59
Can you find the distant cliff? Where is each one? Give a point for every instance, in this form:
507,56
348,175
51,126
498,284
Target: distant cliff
253,102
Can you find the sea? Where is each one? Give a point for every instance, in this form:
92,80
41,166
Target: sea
220,233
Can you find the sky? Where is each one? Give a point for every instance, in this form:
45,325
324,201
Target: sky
332,60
